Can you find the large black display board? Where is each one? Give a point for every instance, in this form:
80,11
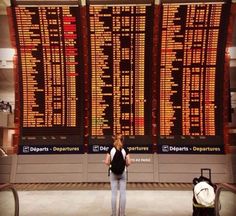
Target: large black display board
192,44
189,73
120,44
50,75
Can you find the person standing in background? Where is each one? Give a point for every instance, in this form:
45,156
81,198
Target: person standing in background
118,180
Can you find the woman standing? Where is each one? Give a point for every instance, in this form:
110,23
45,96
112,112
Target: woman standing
118,181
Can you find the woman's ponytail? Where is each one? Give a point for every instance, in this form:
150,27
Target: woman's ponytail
118,141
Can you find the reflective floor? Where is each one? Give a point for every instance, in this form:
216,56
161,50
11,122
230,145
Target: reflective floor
97,202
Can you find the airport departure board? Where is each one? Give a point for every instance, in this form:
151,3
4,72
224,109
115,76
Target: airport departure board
192,75
50,74
120,43
154,73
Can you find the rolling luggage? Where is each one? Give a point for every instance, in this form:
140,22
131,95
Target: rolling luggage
203,195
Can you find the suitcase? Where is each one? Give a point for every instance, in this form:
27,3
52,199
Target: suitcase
198,209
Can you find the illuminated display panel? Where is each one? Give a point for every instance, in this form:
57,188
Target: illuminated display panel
120,39
50,74
191,73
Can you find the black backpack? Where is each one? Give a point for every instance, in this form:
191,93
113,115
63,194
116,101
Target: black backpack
118,163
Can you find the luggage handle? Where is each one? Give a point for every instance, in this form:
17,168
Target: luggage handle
206,169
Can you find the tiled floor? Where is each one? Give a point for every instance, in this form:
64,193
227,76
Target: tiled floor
97,203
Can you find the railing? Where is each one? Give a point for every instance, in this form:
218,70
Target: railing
5,187
220,188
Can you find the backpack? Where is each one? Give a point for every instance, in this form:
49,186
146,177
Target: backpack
204,194
204,191
118,163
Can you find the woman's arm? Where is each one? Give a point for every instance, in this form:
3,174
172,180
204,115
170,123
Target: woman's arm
128,160
107,160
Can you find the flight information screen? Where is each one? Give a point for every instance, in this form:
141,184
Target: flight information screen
51,79
191,77
120,48
154,73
